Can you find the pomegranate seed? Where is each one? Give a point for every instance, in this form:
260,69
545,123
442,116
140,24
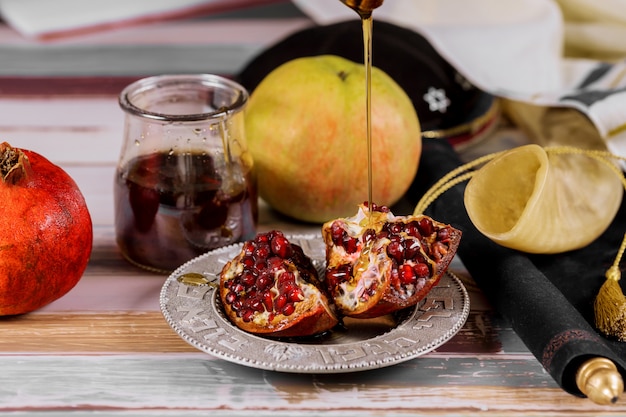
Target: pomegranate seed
247,278
262,252
248,248
280,302
337,275
395,279
285,279
247,315
254,304
268,300
369,235
406,274
370,291
396,228
260,265
263,238
412,230
295,295
411,248
421,270
336,232
350,244
248,261
263,281
230,297
281,246
426,226
238,288
395,250
289,309
237,305
443,235
288,288
274,263
344,272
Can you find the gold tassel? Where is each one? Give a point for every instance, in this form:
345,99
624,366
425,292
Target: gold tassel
610,303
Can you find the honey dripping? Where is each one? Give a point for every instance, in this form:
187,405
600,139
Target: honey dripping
364,8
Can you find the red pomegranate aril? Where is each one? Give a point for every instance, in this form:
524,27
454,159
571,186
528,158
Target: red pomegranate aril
262,251
285,280
248,279
395,249
350,244
260,265
281,246
274,263
369,235
421,270
412,229
395,228
248,261
406,274
295,294
247,315
254,304
230,297
425,227
289,309
411,248
443,235
337,233
268,300
248,248
263,281
280,302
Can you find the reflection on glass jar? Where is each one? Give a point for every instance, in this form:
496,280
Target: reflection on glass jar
185,182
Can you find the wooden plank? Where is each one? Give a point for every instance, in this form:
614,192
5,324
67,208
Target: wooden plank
128,331
90,333
182,382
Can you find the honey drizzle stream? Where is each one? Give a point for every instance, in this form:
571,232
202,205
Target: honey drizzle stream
364,9
367,54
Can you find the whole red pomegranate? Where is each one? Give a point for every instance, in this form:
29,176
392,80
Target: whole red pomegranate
378,263
271,288
46,234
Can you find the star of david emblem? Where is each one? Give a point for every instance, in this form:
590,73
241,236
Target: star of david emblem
437,99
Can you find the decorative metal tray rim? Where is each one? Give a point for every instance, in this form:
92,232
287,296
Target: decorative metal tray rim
195,314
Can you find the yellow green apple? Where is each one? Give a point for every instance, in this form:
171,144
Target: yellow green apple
307,132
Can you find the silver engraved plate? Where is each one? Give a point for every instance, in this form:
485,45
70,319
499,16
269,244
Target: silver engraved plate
190,304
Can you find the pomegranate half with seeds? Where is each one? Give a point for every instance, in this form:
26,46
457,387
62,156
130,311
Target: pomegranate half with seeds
271,288
378,263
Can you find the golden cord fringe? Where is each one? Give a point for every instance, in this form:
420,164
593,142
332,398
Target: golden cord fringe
610,302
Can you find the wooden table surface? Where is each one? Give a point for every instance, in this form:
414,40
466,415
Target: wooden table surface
104,349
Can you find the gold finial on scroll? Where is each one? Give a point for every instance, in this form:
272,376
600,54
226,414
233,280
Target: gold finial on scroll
599,379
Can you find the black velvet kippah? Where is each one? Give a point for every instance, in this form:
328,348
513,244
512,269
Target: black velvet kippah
403,54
